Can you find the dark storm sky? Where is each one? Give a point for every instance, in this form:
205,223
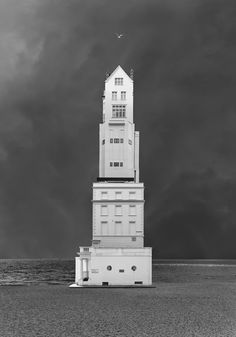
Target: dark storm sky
53,58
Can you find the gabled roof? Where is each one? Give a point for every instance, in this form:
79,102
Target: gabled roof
115,71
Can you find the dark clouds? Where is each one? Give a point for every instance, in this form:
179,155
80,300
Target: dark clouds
54,56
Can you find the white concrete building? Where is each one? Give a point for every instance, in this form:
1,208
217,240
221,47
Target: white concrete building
117,256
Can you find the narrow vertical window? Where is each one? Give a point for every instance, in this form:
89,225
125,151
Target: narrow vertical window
123,95
104,228
111,163
114,95
104,195
104,210
118,195
118,210
132,228
118,228
132,210
132,195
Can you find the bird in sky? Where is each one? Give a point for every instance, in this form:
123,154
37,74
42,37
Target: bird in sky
119,36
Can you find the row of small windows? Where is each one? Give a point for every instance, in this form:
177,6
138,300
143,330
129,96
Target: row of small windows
118,111
122,95
119,81
116,163
117,141
118,195
118,228
118,210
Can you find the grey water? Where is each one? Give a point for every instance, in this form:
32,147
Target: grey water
58,271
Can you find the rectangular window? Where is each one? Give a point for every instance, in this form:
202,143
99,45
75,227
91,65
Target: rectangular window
118,210
114,95
111,163
104,195
118,81
130,142
116,140
118,227
132,226
103,141
104,228
118,195
116,163
132,210
121,164
111,140
123,95
132,195
121,270
104,210
121,140
118,111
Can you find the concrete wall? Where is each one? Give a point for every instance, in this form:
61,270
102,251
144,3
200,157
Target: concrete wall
118,214
125,153
121,262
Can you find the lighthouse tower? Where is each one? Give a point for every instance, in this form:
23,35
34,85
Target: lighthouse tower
117,256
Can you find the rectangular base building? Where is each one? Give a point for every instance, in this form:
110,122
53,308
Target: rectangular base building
117,256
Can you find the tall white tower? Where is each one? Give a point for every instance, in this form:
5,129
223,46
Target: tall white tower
117,255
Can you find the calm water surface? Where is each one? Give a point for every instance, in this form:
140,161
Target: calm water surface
55,271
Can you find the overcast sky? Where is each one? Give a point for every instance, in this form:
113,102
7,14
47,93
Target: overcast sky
54,55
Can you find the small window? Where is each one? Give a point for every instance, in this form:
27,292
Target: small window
121,270
104,210
121,164
105,284
111,163
119,81
121,140
133,238
123,95
114,95
130,142
133,268
138,282
132,195
109,267
118,195
118,228
104,228
118,210
132,210
86,249
111,140
116,140
116,163
104,195
103,141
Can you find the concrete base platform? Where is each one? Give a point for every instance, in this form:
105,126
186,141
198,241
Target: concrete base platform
74,285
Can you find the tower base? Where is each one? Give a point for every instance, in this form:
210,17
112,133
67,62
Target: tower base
128,267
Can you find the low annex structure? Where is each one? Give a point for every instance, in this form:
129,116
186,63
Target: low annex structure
117,256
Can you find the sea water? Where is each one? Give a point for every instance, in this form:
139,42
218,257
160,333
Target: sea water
61,271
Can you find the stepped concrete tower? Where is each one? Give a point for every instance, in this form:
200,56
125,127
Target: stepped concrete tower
117,256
